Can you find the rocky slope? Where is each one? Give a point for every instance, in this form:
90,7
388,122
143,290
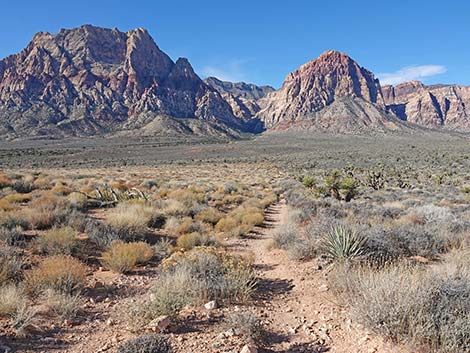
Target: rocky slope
92,80
239,89
330,93
446,106
242,97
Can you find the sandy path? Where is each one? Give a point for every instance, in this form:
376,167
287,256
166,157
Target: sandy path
297,306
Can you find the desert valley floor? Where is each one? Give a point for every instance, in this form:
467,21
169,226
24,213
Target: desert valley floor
287,242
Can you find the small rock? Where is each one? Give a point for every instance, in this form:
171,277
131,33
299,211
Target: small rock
109,322
160,324
249,349
98,284
211,305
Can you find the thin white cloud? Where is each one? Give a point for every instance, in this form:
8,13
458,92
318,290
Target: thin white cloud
230,71
411,73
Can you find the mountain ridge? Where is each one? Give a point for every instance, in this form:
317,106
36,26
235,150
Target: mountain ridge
92,80
97,81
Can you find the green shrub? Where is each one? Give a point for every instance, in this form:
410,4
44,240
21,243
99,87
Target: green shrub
308,181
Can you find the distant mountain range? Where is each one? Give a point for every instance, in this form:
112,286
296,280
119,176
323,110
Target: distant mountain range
95,81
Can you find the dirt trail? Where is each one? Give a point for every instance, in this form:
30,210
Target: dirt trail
297,306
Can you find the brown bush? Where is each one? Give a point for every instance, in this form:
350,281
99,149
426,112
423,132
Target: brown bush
123,257
58,241
191,240
63,273
209,215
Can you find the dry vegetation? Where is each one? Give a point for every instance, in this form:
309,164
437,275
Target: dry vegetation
389,222
57,233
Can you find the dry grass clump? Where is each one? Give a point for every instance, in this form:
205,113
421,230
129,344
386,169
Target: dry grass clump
62,305
191,240
298,245
10,264
12,236
12,298
241,220
17,198
123,257
148,343
11,220
246,326
178,226
192,278
209,215
58,241
429,308
62,273
46,211
132,219
22,319
61,189
5,181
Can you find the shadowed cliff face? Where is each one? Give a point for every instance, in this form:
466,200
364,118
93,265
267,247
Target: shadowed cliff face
331,92
444,106
91,80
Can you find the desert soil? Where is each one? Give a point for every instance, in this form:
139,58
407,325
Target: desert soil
297,304
297,309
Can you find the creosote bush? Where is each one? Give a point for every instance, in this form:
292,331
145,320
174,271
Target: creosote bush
123,257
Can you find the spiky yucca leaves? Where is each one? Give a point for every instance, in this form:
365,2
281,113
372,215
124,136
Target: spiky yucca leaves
108,196
343,243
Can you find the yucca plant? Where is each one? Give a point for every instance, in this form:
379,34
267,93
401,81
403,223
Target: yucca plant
343,243
107,196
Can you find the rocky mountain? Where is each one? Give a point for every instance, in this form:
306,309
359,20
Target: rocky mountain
438,106
92,80
330,93
239,89
242,97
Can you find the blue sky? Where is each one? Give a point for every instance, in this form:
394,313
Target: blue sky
262,41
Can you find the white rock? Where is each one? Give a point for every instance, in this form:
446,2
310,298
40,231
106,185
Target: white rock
249,349
211,305
160,324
